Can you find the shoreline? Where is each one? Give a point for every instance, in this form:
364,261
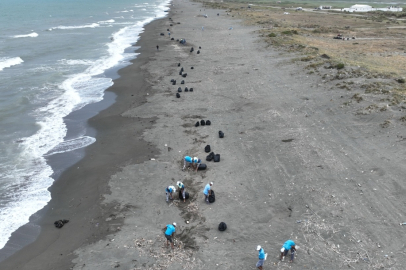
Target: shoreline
105,117
295,162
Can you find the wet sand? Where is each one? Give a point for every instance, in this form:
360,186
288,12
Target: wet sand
295,164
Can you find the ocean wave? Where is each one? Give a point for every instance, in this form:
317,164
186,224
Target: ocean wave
28,193
33,34
108,21
93,25
71,145
31,178
72,62
8,62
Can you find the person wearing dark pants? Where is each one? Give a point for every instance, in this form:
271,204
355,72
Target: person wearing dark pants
182,191
207,191
169,233
288,245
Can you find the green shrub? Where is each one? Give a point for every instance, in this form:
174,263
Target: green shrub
290,32
340,66
272,35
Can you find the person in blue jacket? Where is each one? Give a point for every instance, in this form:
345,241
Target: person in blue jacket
288,245
261,257
195,162
169,233
168,191
207,191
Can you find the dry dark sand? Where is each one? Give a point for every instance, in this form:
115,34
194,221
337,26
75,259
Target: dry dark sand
295,164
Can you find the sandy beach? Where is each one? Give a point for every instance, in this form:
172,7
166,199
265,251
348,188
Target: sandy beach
295,163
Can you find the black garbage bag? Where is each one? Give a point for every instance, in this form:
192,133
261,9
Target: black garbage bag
208,123
182,82
202,167
59,223
184,75
179,89
202,122
222,226
216,158
174,82
181,196
207,149
210,157
212,197
197,124
221,134
177,95
178,64
186,89
191,89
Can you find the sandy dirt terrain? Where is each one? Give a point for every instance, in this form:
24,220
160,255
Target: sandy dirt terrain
314,154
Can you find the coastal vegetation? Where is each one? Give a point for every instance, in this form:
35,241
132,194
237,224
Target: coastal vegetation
369,45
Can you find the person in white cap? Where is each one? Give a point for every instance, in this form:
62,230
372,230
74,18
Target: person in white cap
207,191
187,161
170,231
261,257
182,191
169,190
288,245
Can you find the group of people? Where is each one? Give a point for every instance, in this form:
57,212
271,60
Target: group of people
187,162
191,162
169,190
287,246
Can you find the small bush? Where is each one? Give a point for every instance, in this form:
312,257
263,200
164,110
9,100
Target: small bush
272,35
290,32
340,66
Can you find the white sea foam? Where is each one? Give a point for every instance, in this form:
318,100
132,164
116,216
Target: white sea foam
93,25
71,145
33,34
108,21
8,62
73,62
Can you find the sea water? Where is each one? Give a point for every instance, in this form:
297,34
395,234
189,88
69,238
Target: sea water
53,58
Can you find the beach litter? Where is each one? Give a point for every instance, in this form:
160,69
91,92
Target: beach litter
163,256
59,223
